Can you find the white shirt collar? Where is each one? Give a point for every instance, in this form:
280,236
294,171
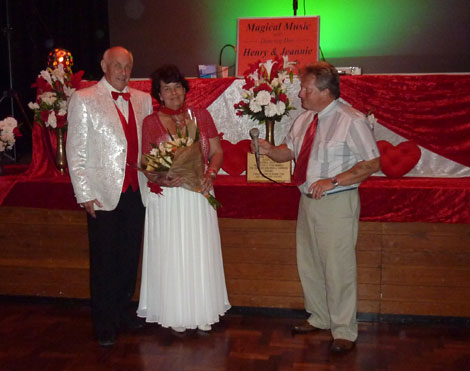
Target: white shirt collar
328,109
110,88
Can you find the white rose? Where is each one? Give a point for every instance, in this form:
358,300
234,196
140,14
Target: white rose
255,106
8,123
270,110
2,146
263,97
33,105
9,138
51,120
280,108
48,97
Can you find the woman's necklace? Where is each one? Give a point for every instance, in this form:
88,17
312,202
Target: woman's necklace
179,121
178,116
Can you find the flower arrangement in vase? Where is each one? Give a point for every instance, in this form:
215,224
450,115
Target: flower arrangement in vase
265,92
55,85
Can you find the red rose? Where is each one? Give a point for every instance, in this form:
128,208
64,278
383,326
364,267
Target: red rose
263,86
44,115
282,97
249,84
61,120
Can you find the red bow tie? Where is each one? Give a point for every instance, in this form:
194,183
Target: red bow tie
116,95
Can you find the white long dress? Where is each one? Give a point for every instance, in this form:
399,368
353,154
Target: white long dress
183,282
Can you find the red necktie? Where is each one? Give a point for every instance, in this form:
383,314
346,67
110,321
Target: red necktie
116,95
300,172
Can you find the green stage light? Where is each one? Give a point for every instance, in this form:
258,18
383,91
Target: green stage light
348,28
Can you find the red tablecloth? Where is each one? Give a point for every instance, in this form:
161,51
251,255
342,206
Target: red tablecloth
432,110
433,200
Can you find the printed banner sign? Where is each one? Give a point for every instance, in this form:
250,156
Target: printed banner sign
264,38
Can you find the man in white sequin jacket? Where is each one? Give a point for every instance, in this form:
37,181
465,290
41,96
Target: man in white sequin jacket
104,133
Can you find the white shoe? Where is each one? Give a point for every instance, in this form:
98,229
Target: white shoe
179,329
205,327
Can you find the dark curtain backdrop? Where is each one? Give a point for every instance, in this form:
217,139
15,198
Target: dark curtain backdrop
37,27
182,32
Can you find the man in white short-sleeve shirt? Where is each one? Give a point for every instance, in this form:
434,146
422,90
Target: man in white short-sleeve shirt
328,172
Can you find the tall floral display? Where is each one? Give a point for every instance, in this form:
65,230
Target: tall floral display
55,85
264,93
8,133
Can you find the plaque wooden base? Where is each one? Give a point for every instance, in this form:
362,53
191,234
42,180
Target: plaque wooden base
278,171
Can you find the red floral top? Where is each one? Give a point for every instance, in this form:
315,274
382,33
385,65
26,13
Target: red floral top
153,132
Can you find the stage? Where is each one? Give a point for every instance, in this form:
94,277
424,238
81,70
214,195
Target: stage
414,241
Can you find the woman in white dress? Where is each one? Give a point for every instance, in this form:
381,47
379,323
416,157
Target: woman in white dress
183,283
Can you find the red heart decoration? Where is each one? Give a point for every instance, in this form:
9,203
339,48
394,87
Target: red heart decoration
398,160
235,156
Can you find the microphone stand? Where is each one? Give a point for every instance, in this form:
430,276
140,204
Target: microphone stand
11,92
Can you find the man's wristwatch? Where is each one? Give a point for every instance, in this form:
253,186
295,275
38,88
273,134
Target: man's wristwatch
334,181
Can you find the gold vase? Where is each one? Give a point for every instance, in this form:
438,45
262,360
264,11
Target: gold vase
60,158
270,131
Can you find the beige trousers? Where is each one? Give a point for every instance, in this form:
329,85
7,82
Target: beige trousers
326,259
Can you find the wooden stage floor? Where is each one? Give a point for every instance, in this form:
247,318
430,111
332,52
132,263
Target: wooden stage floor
56,335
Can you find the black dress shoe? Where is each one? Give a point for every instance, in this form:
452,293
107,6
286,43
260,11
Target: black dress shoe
342,345
303,329
107,338
132,323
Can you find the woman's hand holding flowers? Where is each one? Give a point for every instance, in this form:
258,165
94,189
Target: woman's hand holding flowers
164,179
207,183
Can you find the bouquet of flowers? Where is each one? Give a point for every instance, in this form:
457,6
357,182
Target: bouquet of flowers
54,89
182,157
264,92
8,131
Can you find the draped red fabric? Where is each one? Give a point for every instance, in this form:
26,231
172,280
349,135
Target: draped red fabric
431,110
428,200
202,92
43,154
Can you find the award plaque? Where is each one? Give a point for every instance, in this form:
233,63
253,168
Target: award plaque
278,171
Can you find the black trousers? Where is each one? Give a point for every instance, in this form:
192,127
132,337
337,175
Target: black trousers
115,239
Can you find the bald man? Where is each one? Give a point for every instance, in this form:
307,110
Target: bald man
104,132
